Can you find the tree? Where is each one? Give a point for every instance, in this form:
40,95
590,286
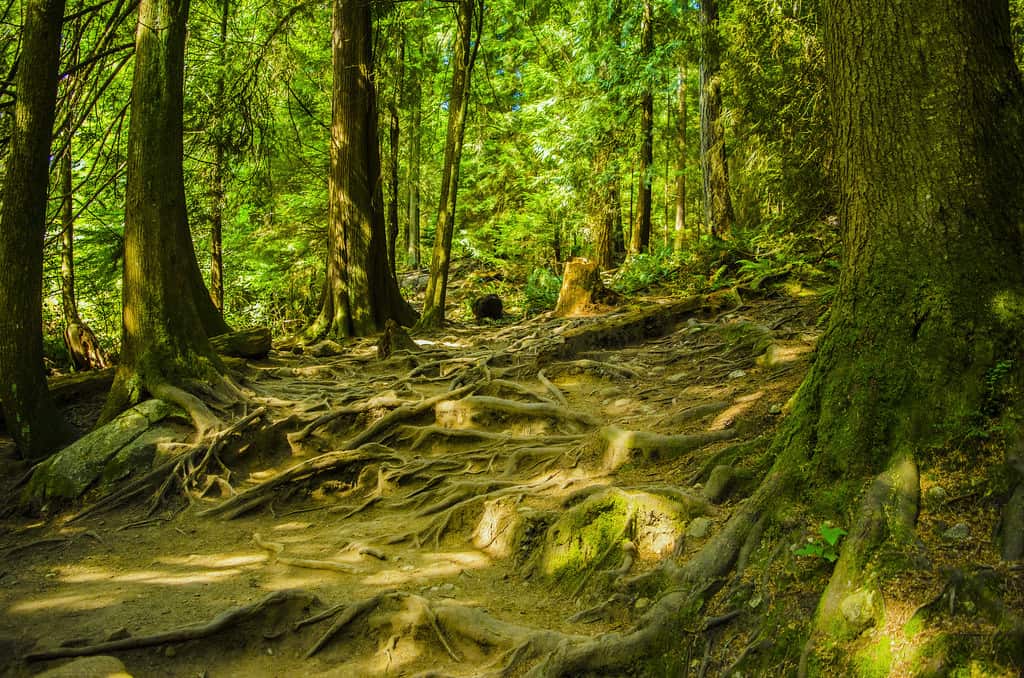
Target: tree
412,223
360,292
164,339
715,168
681,120
927,111
641,233
28,409
469,20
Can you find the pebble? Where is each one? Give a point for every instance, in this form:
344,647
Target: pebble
698,528
775,409
642,603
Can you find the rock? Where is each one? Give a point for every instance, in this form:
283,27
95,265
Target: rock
959,532
642,604
89,667
325,349
140,453
737,374
771,358
677,378
698,528
488,306
775,409
70,472
860,609
253,344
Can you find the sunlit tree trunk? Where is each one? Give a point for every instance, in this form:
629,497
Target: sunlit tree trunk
395,138
469,17
717,204
164,343
412,238
640,240
217,191
360,289
29,412
681,121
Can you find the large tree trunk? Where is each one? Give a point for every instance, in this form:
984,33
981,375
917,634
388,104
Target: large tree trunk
361,292
469,18
28,408
164,342
641,235
395,138
927,107
717,203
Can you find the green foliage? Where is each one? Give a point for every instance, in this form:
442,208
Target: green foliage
641,271
827,547
541,291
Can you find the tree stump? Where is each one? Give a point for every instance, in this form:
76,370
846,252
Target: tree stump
582,289
393,339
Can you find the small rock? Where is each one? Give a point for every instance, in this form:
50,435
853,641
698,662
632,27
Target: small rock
676,378
959,532
738,374
698,528
859,609
642,604
775,409
89,667
936,495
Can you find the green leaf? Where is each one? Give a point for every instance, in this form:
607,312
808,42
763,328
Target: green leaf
832,535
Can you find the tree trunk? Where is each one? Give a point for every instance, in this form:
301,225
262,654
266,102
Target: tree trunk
604,245
81,342
412,239
615,206
361,292
681,120
217,194
641,235
469,20
28,409
717,203
927,112
395,137
163,337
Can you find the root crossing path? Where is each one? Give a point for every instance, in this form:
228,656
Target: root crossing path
513,499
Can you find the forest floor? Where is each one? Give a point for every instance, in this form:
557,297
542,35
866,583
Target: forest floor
421,533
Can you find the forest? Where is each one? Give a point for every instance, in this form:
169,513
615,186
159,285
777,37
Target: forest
538,338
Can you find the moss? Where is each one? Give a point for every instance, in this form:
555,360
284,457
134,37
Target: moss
874,660
584,535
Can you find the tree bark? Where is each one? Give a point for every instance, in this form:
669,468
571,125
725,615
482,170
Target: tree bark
28,408
469,19
361,292
395,137
641,235
717,204
412,240
163,337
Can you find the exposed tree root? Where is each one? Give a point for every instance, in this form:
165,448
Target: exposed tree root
277,549
623,446
225,621
461,412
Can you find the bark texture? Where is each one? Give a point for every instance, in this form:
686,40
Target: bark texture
28,408
164,340
717,204
681,120
360,292
640,240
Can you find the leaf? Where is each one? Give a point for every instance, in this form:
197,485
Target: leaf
813,550
832,535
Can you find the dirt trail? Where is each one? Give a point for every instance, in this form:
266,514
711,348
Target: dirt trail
425,522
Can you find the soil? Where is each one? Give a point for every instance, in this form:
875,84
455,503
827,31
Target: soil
395,529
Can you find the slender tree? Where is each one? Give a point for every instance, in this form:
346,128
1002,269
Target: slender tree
681,121
717,203
469,20
220,142
28,409
395,138
640,240
164,342
360,291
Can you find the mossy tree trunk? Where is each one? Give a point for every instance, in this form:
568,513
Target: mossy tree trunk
218,195
469,21
395,137
412,239
715,169
360,292
681,121
164,341
927,107
640,240
28,408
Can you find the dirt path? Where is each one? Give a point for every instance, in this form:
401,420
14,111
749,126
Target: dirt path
426,521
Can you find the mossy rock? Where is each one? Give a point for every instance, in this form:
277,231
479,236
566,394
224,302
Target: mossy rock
70,472
591,533
747,335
